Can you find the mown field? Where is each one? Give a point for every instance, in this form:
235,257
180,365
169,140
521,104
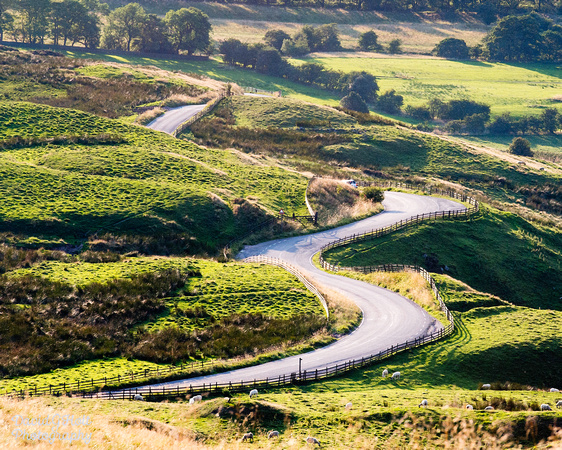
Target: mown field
519,89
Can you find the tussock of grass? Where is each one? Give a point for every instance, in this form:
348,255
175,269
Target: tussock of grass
148,116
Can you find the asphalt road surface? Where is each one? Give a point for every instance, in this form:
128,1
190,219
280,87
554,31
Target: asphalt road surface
173,118
388,318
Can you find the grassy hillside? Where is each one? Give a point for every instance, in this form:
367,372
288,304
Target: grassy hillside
136,183
520,89
497,252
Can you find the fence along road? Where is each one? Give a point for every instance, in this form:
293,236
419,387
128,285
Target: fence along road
389,320
172,119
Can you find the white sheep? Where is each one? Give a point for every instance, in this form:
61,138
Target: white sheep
545,407
395,376
195,398
138,397
423,403
272,434
312,440
488,408
253,392
554,390
348,405
486,386
385,373
559,404
248,437
469,407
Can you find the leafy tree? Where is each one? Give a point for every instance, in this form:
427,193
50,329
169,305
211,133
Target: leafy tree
5,17
322,38
451,48
459,109
368,42
374,194
153,36
124,25
520,146
501,125
269,61
365,85
65,19
275,38
395,46
33,19
550,120
232,50
189,29
390,102
552,41
476,123
295,48
419,112
354,102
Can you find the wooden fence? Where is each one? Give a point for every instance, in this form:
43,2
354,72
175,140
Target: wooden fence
208,108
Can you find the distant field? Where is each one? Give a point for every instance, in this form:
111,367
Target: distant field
517,89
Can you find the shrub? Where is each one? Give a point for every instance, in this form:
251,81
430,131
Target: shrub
419,112
276,38
390,102
451,48
368,42
295,48
520,146
374,194
365,85
395,46
354,102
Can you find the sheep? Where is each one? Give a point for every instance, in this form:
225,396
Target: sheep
312,440
469,407
248,437
138,397
554,390
486,386
545,407
348,405
253,392
385,373
559,404
395,376
423,403
488,408
195,398
272,434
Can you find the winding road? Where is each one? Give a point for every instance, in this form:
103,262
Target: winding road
388,318
172,119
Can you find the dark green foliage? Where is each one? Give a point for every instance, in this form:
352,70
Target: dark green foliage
275,38
324,38
365,85
395,46
460,109
374,194
390,102
451,48
188,29
520,146
354,102
368,42
419,112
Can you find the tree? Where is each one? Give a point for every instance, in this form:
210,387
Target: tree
419,112
232,50
354,102
395,46
390,102
520,146
501,125
451,48
275,38
67,20
124,25
459,109
153,36
550,120
368,42
5,17
269,61
374,194
322,38
295,48
33,19
365,85
189,29
475,123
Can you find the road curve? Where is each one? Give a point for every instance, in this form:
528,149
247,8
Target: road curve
388,318
172,119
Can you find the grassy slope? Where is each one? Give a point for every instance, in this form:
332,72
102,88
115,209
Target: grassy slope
499,253
152,181
514,88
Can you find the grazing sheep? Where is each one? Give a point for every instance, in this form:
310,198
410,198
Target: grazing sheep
545,407
138,397
253,392
312,440
195,398
272,434
395,376
554,390
559,404
469,407
248,437
348,405
385,373
486,386
423,403
488,408
226,399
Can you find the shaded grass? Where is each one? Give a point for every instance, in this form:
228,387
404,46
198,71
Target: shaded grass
499,253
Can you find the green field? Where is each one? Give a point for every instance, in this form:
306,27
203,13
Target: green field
508,88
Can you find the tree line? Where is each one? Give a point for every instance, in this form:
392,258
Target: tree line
91,24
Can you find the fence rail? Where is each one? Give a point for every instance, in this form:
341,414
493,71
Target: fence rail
206,110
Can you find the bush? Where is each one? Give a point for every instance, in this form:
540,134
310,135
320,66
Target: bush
451,48
354,102
295,48
419,112
368,42
275,38
374,194
390,102
395,46
365,85
520,146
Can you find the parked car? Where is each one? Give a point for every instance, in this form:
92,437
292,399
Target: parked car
352,183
